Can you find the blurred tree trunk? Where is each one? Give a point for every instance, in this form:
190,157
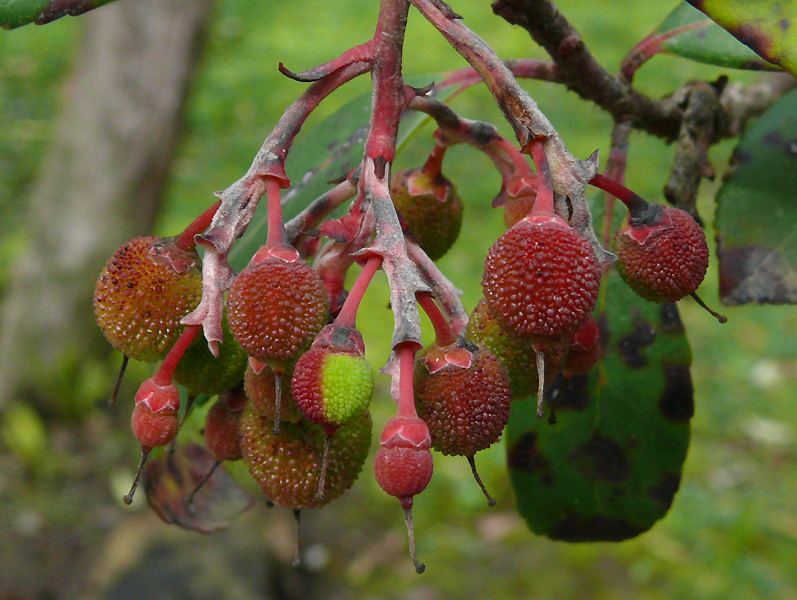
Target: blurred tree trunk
99,185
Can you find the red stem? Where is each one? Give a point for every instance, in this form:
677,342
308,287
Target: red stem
276,228
444,335
406,399
185,241
544,202
632,200
433,168
165,373
348,314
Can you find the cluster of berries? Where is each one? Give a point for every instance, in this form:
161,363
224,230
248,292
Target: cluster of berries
293,384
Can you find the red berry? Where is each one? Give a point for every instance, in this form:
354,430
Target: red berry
663,259
154,420
541,278
221,428
466,409
403,464
276,308
143,292
584,349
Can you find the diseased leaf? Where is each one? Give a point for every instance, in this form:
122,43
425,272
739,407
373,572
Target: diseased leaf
15,13
768,27
757,212
611,465
170,479
324,154
689,33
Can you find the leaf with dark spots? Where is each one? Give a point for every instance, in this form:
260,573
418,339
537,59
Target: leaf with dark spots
631,346
621,431
600,458
757,215
688,33
764,26
171,478
677,400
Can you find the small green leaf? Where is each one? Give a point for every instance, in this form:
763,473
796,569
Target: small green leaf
757,213
611,465
768,27
323,154
688,33
15,13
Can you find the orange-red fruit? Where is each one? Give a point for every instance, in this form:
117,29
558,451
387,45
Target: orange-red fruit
221,429
541,278
287,466
669,264
143,292
275,308
403,464
466,409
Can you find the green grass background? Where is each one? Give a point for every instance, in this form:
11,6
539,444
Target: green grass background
732,531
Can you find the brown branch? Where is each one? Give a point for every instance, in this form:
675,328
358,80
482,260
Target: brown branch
580,72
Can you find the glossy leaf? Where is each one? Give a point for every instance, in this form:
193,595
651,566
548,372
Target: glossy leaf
608,469
170,479
323,154
689,33
768,27
757,212
15,13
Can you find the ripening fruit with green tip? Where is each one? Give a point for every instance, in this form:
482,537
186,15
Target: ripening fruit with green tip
287,466
202,373
143,292
276,308
663,256
331,387
430,208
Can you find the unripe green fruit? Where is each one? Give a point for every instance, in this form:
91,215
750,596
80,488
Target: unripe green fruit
143,292
202,373
275,309
287,466
332,388
665,260
430,208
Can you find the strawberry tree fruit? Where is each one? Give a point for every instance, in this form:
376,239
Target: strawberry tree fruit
275,309
154,421
584,349
261,391
287,466
202,373
143,292
541,278
661,253
222,426
430,208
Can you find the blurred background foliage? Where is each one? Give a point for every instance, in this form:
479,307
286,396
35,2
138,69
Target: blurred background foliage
732,531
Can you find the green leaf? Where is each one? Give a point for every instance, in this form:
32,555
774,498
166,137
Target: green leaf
688,33
611,465
768,27
15,13
757,213
323,154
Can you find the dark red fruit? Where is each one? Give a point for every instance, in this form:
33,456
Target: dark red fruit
663,258
466,409
154,419
403,464
287,466
584,349
430,208
143,292
541,278
275,309
221,428
261,391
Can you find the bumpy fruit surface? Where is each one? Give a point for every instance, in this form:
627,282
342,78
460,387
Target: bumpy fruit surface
515,353
275,308
541,278
403,464
221,428
430,208
261,391
154,420
202,373
143,292
287,466
332,388
669,263
466,409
